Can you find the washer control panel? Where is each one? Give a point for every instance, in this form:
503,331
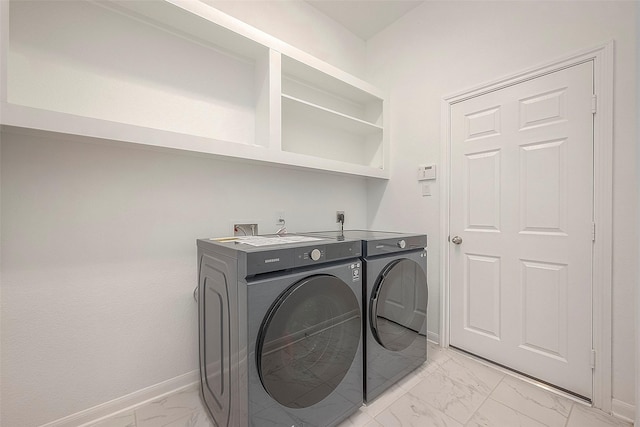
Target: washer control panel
315,254
257,260
311,254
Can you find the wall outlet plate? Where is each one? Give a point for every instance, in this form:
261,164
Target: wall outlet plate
248,229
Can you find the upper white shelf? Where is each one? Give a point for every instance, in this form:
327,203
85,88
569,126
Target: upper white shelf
299,109
182,75
194,20
347,87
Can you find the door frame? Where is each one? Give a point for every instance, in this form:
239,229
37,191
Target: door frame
603,60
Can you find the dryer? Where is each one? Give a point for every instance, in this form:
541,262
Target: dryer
280,330
395,296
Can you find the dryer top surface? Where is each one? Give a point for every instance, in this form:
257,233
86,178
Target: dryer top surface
378,242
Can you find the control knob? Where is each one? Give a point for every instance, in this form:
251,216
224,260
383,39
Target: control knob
315,254
402,244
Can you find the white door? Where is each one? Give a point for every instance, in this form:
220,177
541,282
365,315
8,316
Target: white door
522,217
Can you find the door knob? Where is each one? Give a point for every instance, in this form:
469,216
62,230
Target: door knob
457,240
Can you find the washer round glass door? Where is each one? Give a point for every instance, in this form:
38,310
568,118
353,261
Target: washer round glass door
398,305
308,341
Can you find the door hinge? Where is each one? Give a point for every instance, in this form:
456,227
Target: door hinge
593,231
593,359
594,103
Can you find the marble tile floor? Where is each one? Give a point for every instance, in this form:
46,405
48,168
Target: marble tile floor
450,390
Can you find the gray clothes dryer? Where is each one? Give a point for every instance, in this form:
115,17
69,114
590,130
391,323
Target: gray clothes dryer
395,296
280,331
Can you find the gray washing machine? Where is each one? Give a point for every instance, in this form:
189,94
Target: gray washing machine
280,330
395,296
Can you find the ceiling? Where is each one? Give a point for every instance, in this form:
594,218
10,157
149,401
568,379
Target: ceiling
365,18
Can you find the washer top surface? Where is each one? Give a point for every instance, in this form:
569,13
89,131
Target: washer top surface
378,242
270,253
264,242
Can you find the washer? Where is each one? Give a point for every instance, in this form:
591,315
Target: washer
280,330
395,296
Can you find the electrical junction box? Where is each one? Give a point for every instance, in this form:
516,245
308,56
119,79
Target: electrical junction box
426,172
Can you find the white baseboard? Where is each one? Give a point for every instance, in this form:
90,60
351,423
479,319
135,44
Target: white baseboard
623,410
433,337
127,402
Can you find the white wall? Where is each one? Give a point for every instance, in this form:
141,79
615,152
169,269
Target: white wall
443,48
306,28
99,256
637,322
98,251
99,261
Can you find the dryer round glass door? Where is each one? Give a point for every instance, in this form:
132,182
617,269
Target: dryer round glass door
398,305
308,341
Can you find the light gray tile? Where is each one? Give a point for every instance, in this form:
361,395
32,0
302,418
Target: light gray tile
436,354
424,370
470,372
412,379
195,419
457,400
535,402
121,420
168,409
495,414
582,416
384,400
359,419
409,411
